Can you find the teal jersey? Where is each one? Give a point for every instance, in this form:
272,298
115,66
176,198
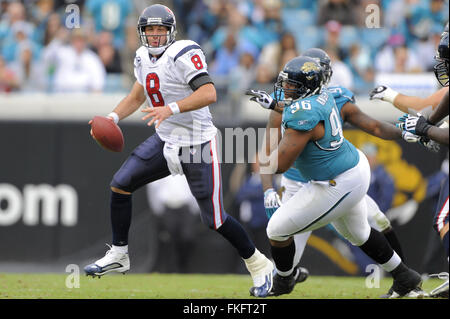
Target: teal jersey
341,96
293,174
330,156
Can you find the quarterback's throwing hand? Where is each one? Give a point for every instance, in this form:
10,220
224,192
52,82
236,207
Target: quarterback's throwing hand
90,123
262,98
158,113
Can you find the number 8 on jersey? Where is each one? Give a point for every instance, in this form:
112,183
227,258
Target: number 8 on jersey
152,86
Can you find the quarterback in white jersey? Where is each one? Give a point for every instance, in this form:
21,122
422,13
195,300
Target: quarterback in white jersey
172,76
166,80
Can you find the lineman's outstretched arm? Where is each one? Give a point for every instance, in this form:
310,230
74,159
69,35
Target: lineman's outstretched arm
405,103
439,135
352,114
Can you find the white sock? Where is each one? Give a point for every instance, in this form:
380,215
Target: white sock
255,262
392,263
120,249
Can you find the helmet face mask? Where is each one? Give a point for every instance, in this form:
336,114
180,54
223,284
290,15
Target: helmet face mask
441,69
300,78
291,89
156,15
327,73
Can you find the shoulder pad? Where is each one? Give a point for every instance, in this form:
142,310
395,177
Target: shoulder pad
303,115
140,53
178,48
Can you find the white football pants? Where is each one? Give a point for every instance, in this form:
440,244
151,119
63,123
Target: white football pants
376,218
317,204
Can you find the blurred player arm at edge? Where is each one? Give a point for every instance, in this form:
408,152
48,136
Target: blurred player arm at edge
407,103
440,135
440,111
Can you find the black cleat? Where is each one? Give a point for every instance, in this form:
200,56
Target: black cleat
283,285
301,275
407,284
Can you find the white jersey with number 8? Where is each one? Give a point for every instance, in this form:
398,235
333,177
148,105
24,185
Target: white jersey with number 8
166,80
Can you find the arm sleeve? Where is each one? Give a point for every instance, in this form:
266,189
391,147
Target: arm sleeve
348,95
199,80
341,96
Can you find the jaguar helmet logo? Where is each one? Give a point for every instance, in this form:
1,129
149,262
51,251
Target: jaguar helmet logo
308,67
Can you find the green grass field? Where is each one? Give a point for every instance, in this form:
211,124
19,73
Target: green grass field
176,286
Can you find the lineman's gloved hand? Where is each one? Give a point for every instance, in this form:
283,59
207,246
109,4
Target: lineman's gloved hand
262,98
417,125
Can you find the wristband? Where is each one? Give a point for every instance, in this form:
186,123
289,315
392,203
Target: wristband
174,107
390,95
114,116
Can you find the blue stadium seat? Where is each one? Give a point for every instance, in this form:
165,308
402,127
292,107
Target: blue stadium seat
374,38
300,4
295,21
348,36
114,84
309,37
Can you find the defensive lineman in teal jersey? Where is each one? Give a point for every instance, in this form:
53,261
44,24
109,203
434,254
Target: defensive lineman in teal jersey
338,176
341,96
292,181
329,156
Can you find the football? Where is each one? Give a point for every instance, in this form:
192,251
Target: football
107,133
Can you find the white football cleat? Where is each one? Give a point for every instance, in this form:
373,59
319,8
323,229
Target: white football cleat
261,269
442,290
114,261
415,293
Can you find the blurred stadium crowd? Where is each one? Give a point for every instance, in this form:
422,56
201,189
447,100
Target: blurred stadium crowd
246,42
